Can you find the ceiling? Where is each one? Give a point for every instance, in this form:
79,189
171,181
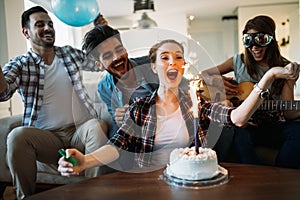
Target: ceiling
204,9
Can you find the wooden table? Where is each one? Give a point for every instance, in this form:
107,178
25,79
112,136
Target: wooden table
245,182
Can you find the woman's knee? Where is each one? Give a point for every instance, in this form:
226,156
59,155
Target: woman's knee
292,131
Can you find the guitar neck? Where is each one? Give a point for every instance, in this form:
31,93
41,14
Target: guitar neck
280,105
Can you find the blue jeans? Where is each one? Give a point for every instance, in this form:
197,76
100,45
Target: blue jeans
285,137
289,154
243,145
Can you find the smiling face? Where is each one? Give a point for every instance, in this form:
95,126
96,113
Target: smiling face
113,57
40,31
169,65
257,52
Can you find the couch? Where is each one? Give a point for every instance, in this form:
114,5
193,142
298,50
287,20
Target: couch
48,176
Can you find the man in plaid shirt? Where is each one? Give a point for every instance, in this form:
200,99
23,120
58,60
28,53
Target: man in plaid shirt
58,112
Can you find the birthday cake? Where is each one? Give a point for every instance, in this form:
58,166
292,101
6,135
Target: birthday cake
186,164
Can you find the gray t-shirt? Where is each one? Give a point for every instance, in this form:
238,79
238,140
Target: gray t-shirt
61,106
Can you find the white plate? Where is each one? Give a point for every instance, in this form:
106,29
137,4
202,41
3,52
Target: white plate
220,179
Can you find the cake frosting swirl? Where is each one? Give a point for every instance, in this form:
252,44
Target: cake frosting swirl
185,163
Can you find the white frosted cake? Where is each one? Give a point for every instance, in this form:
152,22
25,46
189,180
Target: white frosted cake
185,163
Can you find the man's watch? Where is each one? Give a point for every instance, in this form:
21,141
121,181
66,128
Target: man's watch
262,93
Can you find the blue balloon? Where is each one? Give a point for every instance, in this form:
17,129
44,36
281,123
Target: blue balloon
75,12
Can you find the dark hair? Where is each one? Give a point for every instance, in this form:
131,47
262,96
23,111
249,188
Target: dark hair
27,13
265,24
97,35
153,50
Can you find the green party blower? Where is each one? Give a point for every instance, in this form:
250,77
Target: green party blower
70,159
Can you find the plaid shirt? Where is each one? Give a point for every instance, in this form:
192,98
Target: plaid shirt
215,112
25,74
137,133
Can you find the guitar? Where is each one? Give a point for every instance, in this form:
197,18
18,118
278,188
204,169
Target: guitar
214,94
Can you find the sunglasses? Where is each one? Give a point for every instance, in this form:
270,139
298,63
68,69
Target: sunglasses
258,39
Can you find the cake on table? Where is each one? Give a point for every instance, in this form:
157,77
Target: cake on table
186,163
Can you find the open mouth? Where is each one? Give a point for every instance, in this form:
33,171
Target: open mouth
172,74
118,64
257,54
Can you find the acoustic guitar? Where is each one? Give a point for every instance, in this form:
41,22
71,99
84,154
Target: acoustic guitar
214,94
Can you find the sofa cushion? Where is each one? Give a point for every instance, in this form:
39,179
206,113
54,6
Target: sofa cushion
6,125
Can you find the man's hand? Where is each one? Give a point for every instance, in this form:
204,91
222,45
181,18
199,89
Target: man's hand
119,114
66,168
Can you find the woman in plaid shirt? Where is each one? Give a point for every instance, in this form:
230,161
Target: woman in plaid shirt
155,125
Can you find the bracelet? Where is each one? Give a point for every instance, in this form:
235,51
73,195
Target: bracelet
262,93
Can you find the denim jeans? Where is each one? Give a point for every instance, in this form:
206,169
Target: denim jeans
284,136
289,154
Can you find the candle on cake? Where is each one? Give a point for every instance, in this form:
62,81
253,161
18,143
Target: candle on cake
195,88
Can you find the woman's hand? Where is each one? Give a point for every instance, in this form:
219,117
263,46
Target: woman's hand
290,71
66,168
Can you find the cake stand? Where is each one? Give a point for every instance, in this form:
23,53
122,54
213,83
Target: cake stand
218,180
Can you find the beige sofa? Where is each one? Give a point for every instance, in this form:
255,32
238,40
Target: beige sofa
47,175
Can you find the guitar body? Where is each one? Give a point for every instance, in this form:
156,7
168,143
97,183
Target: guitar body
216,94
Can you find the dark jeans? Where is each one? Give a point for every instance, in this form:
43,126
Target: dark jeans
289,154
285,137
237,144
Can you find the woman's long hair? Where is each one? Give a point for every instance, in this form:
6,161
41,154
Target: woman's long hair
265,24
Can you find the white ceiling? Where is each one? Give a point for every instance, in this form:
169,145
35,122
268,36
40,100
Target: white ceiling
199,8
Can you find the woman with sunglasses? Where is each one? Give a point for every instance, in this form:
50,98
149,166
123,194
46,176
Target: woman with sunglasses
261,54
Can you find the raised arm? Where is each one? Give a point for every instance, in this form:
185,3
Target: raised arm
287,94
242,113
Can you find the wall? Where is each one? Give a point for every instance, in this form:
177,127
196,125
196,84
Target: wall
4,106
3,35
218,37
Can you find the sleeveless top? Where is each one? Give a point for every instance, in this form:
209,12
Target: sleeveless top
241,75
